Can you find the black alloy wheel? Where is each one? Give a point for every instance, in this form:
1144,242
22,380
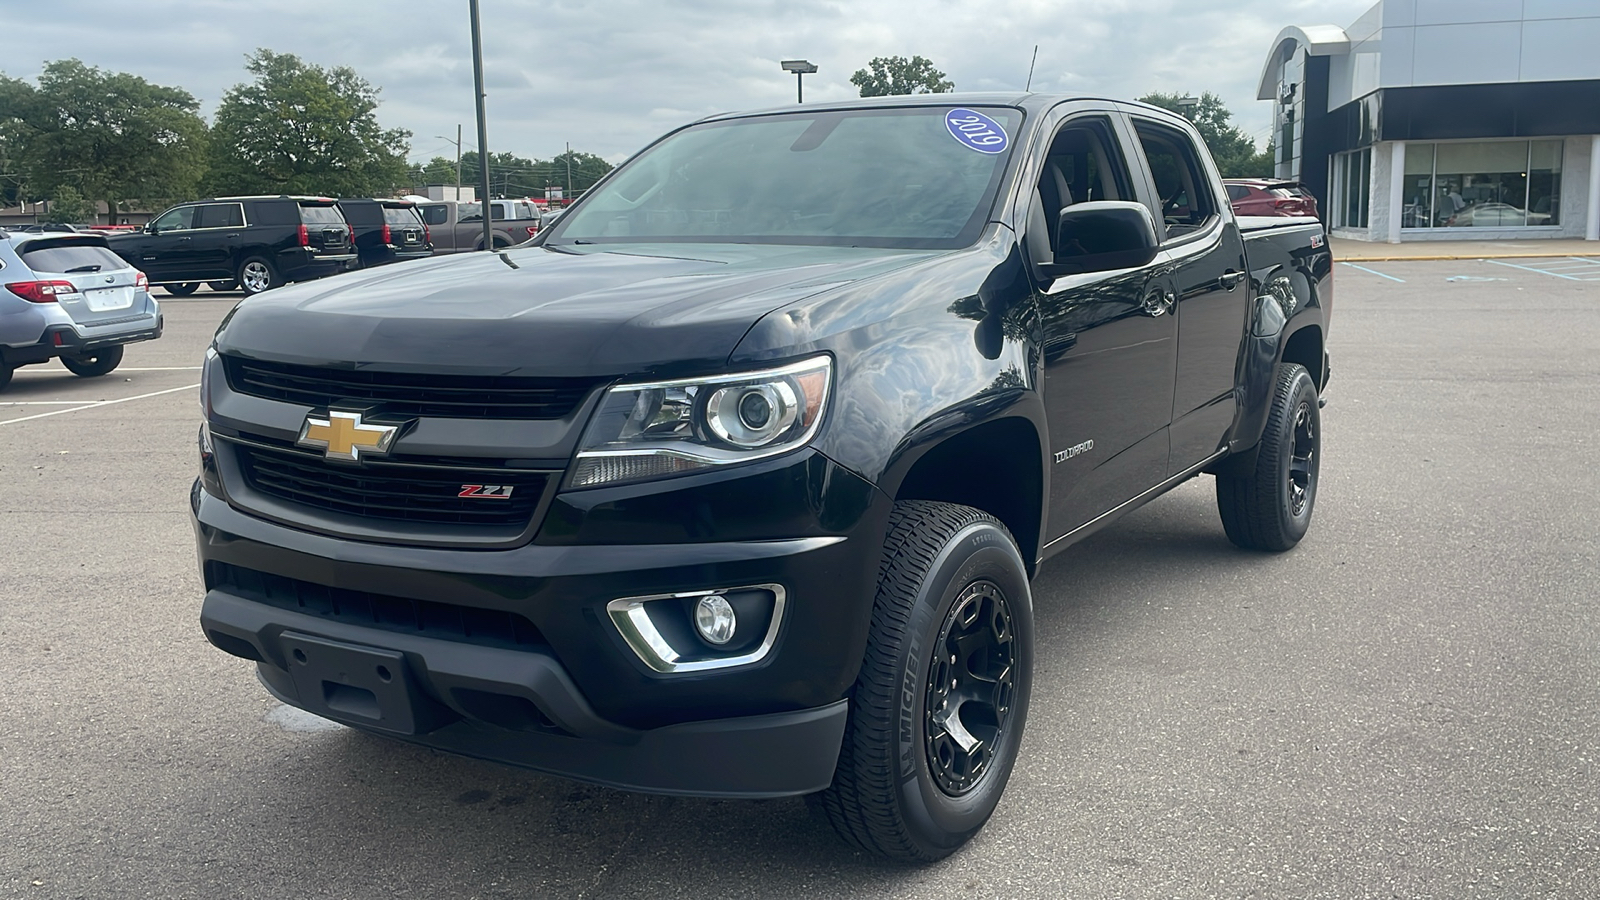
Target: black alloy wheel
1302,460
938,709
1267,495
970,688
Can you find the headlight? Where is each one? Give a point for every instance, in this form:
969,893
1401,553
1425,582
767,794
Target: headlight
645,431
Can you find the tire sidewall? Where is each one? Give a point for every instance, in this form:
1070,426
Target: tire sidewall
980,551
1303,390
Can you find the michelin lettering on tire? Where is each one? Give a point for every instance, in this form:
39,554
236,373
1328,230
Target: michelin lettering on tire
976,131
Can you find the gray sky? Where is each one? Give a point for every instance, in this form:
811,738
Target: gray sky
609,75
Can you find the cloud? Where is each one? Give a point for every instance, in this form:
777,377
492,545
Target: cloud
609,76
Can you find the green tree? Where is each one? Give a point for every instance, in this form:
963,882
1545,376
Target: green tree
299,128
515,176
889,75
110,136
1233,150
67,205
437,171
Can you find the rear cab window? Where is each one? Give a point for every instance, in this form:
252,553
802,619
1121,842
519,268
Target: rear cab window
70,258
435,214
1181,183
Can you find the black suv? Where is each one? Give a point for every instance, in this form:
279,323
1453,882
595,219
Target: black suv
254,243
387,230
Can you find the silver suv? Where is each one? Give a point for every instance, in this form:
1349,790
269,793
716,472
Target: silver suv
68,295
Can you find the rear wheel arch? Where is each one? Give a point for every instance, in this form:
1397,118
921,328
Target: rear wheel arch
996,467
1305,347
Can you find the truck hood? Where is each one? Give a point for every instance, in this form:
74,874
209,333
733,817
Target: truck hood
590,311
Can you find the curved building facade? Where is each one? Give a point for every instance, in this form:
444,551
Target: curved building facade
1445,119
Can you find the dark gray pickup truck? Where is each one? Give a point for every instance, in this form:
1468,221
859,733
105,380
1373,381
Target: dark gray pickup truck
732,482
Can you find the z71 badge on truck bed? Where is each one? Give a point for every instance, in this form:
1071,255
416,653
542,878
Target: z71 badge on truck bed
772,430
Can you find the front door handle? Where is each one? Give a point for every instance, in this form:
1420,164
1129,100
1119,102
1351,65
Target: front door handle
1230,279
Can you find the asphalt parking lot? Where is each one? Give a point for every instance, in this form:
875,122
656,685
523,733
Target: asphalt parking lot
1407,705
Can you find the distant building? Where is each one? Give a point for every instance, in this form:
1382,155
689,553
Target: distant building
1445,119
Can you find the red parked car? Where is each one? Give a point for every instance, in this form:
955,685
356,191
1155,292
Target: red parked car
1270,197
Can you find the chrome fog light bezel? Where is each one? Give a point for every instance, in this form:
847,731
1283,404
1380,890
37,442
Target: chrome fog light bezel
646,641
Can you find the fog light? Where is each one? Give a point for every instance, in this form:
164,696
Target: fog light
714,619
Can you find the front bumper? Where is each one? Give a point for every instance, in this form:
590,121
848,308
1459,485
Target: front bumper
520,708
570,697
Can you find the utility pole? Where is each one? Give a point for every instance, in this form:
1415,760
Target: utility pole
458,162
483,129
568,155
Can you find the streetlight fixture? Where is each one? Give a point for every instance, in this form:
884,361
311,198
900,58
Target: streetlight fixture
1186,106
800,68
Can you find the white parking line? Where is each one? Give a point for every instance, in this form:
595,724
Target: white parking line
1374,272
97,404
43,403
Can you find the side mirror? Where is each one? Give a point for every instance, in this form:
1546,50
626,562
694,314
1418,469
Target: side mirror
150,228
1101,236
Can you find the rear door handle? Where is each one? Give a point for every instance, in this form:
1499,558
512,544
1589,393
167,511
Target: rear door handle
1230,279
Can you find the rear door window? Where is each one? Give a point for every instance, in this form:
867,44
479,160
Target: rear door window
1180,182
61,259
220,215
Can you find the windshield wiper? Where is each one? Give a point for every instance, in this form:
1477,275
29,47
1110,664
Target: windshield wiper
76,269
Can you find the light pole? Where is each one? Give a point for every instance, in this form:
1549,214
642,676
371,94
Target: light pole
1186,106
457,142
800,68
483,130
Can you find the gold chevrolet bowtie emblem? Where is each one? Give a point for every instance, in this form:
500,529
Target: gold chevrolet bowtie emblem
342,435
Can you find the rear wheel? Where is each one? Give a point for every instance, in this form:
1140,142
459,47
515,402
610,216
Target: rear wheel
223,285
1266,498
5,375
938,709
257,275
94,363
182,290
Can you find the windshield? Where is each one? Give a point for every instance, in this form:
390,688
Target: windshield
868,178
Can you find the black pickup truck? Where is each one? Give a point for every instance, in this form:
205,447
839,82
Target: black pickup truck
732,482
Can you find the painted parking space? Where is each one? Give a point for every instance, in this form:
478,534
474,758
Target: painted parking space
1571,268
1371,271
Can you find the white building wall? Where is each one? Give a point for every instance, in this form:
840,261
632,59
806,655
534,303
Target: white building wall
1434,42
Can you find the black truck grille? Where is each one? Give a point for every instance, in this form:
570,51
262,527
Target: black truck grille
444,621
395,491
409,393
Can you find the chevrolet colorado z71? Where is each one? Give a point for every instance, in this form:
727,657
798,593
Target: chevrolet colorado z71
732,482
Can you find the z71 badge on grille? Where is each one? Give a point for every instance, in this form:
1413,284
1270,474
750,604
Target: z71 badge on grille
342,435
487,491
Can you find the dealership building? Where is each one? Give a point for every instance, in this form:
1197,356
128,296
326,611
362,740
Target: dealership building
1445,119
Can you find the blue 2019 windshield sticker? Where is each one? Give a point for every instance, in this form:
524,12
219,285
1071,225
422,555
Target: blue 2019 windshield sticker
976,130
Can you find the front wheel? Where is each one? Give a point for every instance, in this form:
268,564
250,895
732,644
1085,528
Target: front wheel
257,275
938,709
182,290
95,363
5,375
1265,498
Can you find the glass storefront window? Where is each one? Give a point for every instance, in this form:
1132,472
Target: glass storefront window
1485,184
1352,179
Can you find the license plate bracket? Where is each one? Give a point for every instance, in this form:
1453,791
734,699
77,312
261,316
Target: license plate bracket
367,686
